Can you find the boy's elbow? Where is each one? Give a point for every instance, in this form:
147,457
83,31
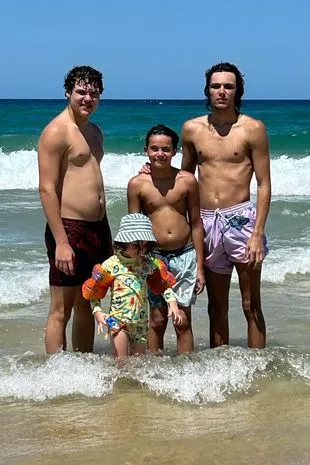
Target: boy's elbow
46,191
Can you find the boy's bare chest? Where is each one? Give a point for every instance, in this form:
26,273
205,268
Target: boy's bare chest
164,194
215,147
82,148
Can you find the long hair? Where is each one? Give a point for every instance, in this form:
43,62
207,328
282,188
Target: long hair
228,67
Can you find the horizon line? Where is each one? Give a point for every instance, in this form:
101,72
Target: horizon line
158,99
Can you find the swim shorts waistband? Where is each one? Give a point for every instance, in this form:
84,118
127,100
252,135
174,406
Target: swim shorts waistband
73,221
233,209
175,252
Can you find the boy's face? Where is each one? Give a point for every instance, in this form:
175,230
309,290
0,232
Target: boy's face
223,90
84,98
160,150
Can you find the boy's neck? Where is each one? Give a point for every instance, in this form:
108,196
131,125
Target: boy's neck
166,172
221,118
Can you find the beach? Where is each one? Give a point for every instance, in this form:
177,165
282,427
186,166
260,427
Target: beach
227,405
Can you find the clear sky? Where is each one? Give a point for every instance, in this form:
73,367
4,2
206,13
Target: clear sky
155,49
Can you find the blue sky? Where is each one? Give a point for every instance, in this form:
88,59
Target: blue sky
155,49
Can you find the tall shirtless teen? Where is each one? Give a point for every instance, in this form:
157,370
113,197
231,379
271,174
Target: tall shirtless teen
169,197
229,147
71,188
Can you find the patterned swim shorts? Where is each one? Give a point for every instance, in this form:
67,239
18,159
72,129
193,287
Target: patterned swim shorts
226,233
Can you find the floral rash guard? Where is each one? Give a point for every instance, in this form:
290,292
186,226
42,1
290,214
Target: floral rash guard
129,279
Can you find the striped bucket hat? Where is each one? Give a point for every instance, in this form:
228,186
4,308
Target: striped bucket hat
135,227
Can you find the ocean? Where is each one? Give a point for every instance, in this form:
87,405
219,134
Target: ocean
227,405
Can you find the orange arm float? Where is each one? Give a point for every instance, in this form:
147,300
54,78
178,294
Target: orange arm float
161,279
97,286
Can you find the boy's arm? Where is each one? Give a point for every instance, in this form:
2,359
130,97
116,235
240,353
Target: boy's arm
133,196
261,163
51,149
189,155
197,231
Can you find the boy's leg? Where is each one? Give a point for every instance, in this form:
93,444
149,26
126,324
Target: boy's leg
157,328
183,265
83,326
236,240
62,301
249,283
185,340
218,292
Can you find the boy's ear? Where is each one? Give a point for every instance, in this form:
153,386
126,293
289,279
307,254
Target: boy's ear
67,94
145,149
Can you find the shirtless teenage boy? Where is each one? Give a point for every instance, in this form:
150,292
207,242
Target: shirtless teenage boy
229,147
77,233
170,198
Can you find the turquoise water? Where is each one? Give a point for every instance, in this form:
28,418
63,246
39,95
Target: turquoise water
126,122
255,402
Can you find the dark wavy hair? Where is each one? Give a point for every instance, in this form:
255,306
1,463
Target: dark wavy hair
228,67
159,130
85,74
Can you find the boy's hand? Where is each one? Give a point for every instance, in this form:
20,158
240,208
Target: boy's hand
200,281
146,168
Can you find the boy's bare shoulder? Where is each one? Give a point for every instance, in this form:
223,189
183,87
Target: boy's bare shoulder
192,125
186,176
138,180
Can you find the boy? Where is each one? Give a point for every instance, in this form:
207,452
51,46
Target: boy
230,147
170,198
77,233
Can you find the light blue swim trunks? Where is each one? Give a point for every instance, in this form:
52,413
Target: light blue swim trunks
182,264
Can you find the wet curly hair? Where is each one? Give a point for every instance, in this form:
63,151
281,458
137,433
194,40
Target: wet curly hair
230,68
85,74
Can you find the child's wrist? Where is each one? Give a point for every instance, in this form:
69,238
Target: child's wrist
96,310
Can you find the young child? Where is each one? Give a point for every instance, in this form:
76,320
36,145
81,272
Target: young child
129,273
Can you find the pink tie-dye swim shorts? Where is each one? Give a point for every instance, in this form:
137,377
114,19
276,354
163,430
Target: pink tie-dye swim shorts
226,233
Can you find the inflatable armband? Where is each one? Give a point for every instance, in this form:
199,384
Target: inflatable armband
97,286
161,279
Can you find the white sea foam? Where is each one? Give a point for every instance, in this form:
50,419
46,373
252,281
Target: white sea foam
290,212
18,170
62,374
22,283
207,376
284,262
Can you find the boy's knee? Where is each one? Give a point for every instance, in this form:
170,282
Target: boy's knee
158,321
60,315
183,327
218,313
